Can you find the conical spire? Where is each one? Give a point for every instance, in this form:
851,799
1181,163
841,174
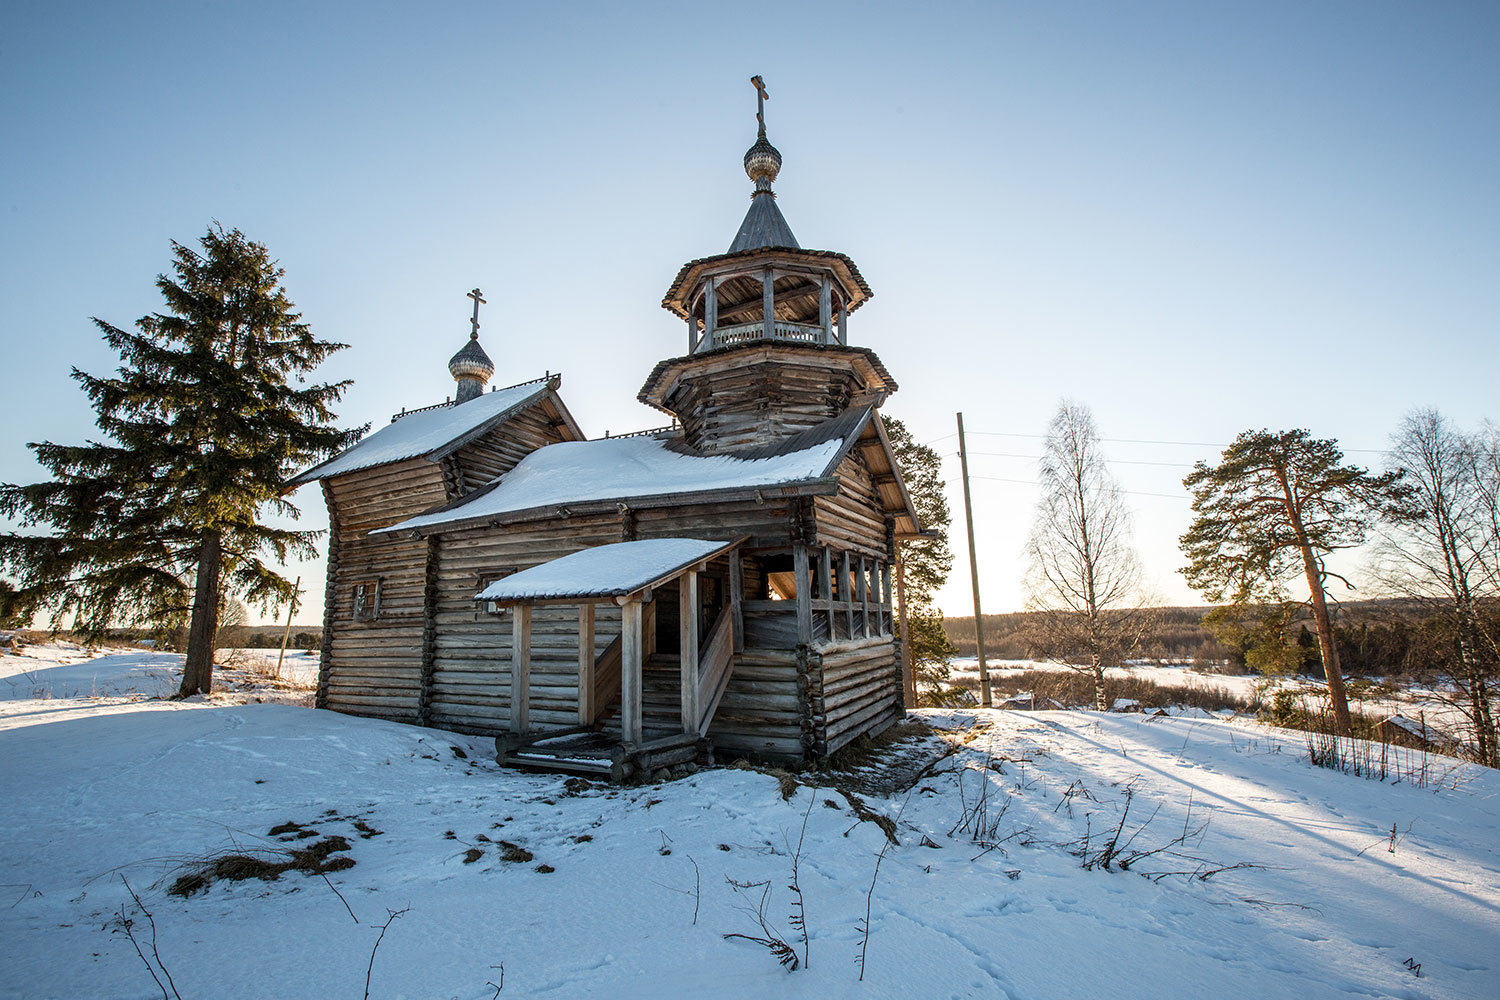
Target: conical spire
764,225
471,366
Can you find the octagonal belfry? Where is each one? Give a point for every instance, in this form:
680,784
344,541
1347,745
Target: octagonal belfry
768,350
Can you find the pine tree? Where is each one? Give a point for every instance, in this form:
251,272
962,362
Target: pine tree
925,562
206,418
1277,503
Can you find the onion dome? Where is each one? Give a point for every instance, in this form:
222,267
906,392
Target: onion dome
762,162
471,362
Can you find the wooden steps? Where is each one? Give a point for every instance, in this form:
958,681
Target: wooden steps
598,753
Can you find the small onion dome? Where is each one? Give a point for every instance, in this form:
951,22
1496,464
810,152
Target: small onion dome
471,362
762,162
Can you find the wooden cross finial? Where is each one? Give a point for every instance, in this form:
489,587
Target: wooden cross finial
760,102
478,301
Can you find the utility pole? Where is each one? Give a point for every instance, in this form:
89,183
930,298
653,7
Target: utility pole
292,608
908,671
984,670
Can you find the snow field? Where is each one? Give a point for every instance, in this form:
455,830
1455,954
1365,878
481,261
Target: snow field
140,788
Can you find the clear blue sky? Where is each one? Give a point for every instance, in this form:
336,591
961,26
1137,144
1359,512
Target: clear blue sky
1196,218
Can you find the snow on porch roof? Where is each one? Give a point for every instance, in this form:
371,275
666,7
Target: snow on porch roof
603,571
617,469
422,432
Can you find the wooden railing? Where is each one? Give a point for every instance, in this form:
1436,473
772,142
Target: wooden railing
715,664
607,681
744,333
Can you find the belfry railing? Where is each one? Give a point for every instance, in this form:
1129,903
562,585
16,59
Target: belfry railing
744,333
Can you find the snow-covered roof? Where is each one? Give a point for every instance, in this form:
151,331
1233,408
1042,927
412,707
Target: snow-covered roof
422,432
604,571
1420,729
578,472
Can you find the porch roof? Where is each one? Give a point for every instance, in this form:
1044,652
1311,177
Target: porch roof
605,572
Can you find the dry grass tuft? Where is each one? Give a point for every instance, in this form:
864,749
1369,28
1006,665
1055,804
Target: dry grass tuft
514,853
268,866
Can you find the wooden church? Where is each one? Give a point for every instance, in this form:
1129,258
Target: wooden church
622,604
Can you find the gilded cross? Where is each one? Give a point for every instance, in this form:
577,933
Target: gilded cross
478,301
760,102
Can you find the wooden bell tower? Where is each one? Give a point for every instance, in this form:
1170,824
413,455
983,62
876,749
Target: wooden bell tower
768,350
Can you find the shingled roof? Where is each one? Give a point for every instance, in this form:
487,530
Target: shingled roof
764,226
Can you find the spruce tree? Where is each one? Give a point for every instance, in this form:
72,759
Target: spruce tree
207,416
1275,504
925,562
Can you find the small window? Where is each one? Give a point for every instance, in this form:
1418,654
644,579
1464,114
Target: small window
487,578
367,600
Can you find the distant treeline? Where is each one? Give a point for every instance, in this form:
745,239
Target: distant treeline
1375,638
232,637
1180,636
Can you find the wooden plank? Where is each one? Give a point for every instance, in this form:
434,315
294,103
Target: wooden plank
804,594
586,709
630,673
717,665
737,599
520,671
687,635
607,679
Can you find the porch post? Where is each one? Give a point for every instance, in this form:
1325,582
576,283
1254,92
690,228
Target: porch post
687,634
884,579
710,311
520,669
585,664
630,673
862,588
825,309
737,599
804,594
768,303
845,592
825,588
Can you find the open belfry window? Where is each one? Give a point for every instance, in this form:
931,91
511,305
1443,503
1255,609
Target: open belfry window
487,578
781,578
367,600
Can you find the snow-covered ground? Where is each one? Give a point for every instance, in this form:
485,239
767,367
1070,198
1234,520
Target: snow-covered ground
1436,708
625,893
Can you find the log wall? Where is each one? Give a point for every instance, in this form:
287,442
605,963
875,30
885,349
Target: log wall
858,690
760,400
374,667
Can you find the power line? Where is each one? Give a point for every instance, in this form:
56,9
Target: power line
1134,493
1111,461
1182,444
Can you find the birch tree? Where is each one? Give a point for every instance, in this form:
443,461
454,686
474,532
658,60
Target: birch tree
1445,554
1084,577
